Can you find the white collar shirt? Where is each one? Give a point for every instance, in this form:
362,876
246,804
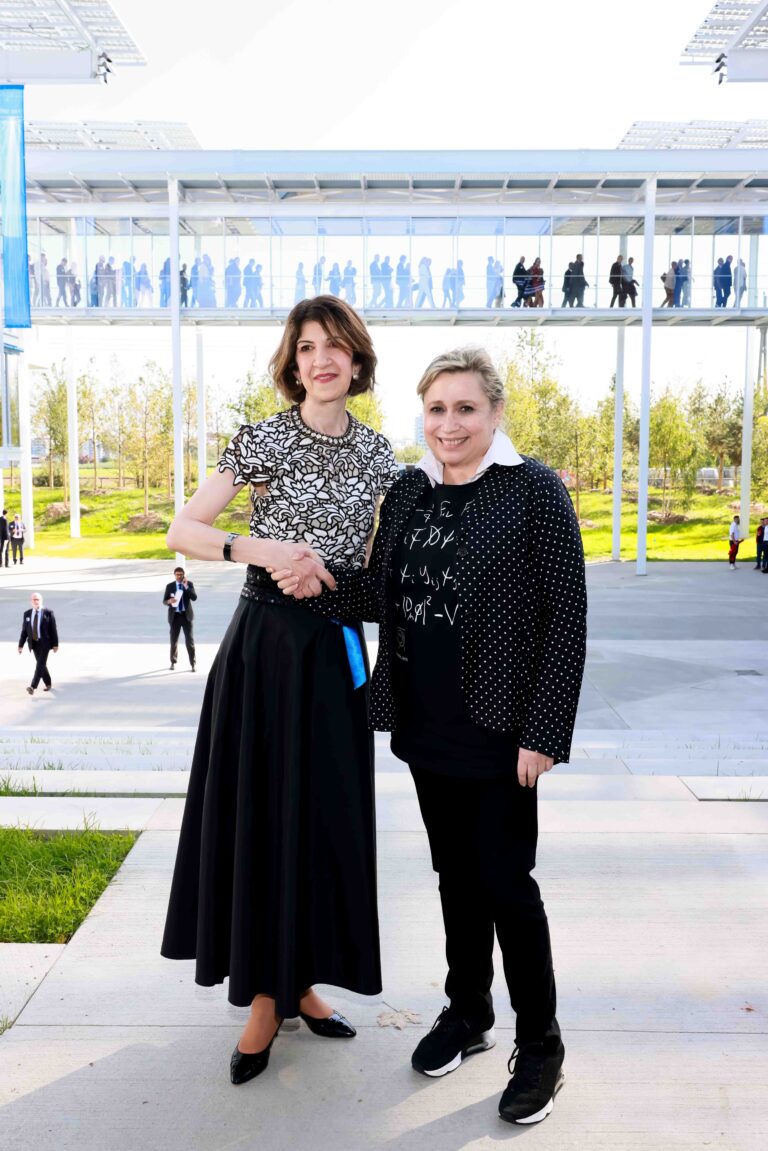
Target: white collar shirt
502,451
179,596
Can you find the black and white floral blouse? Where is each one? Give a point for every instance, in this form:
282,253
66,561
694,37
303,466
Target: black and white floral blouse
320,490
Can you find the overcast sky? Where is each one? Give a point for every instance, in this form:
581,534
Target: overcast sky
428,74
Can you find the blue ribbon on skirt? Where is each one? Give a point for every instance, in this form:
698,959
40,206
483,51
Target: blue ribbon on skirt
355,656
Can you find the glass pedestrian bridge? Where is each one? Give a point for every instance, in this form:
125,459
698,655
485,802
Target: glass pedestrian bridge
614,238
406,238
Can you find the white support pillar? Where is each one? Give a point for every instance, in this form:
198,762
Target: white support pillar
175,305
6,423
753,298
25,460
202,430
746,437
618,443
649,229
73,441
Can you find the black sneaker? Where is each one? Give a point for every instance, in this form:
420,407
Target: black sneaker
530,1093
449,1042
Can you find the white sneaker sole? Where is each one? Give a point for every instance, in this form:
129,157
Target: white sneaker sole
487,1041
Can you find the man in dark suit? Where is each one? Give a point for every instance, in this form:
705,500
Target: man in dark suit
5,536
616,282
179,595
18,531
38,629
578,282
520,280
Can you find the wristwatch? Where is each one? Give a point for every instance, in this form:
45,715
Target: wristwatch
232,536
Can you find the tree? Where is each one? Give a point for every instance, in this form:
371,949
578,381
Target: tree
189,410
219,417
367,408
409,453
722,430
147,436
540,414
49,419
673,448
257,400
716,423
91,414
116,418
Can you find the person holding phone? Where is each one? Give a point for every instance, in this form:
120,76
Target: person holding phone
275,877
179,597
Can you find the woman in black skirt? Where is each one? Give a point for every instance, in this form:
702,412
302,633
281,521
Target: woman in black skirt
275,877
477,581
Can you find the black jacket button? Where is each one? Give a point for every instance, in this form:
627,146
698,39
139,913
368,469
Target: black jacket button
462,550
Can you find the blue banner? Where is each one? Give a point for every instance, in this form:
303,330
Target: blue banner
13,204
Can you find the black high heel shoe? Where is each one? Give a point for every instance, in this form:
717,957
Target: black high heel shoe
334,1027
243,1067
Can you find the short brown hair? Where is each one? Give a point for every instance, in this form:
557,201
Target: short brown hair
468,359
338,320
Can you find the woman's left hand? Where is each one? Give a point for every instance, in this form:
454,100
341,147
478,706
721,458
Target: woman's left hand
530,765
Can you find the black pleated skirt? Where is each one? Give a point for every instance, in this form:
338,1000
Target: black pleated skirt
275,877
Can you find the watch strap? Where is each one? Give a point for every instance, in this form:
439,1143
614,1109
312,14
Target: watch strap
228,545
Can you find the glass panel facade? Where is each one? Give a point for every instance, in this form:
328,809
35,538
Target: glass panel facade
421,263
753,250
388,245
9,404
203,250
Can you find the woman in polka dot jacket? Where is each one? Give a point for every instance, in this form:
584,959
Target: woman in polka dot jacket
477,581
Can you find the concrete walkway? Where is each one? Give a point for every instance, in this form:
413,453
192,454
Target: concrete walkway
656,888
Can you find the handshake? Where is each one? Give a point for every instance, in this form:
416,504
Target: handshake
299,572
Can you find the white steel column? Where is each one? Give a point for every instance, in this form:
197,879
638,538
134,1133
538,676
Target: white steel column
175,305
752,265
25,460
201,422
649,229
746,437
73,441
618,443
5,419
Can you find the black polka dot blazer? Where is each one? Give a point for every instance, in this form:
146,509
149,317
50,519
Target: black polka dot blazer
520,570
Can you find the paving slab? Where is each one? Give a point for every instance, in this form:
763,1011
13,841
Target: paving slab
108,782
167,1087
728,787
634,948
23,966
674,765
70,813
118,1048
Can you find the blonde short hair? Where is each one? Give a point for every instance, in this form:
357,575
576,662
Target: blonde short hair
471,358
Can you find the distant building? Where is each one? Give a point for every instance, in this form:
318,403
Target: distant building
418,431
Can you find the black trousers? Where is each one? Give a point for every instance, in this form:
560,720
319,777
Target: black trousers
5,547
482,835
40,652
17,546
181,623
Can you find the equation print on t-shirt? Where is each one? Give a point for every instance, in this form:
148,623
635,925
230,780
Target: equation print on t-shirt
426,573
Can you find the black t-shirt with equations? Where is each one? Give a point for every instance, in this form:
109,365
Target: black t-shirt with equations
435,730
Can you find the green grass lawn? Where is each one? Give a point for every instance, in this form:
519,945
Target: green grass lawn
50,881
104,514
703,536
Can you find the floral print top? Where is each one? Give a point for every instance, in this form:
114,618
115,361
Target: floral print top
320,490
